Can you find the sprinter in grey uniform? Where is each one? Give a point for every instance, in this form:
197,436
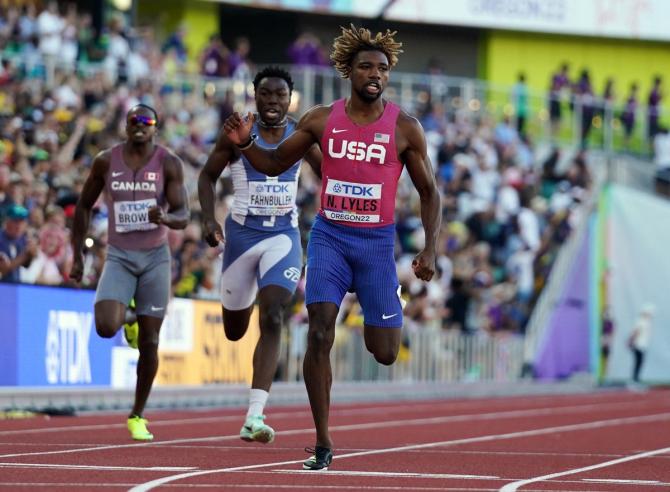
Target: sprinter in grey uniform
143,184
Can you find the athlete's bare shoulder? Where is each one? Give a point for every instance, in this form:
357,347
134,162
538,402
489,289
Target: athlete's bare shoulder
318,112
407,122
104,155
101,162
172,163
409,132
170,155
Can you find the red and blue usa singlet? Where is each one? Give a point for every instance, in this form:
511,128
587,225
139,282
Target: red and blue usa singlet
351,245
360,169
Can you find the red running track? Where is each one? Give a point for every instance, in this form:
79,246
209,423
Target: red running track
610,441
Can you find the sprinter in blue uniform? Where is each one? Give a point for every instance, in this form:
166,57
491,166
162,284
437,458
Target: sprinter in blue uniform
262,253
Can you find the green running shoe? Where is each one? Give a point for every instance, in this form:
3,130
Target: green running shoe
254,429
138,428
131,331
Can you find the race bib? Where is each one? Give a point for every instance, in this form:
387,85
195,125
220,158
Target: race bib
353,202
133,215
271,197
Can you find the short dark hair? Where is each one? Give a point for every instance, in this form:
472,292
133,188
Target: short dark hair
144,106
274,72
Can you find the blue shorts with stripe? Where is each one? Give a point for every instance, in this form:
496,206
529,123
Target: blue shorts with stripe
254,259
342,258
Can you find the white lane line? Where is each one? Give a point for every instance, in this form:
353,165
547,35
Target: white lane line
512,487
54,486
510,435
391,474
623,480
533,412
434,406
77,428
238,417
96,467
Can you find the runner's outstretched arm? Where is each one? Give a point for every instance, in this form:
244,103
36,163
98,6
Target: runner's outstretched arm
274,162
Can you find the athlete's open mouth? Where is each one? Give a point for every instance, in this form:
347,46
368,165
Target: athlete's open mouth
373,88
271,113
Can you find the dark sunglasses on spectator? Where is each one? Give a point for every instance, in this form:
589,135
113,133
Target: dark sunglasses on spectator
145,120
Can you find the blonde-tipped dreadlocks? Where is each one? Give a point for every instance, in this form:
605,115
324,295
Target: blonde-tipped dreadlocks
353,40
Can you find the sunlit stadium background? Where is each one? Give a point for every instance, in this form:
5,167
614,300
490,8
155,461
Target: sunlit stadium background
548,232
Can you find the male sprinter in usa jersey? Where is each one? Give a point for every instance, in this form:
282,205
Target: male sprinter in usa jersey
365,141
262,251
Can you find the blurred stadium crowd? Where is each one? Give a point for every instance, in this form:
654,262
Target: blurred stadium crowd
64,93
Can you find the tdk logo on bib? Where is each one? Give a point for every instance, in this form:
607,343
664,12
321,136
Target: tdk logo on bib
354,190
272,188
135,206
357,151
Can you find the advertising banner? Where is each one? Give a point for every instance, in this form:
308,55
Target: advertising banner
210,357
358,8
49,339
565,348
56,343
8,312
605,18
628,19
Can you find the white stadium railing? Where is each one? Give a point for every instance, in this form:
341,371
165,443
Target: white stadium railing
428,354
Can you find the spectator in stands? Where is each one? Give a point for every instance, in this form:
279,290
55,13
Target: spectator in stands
307,50
118,51
585,102
654,108
175,43
238,62
578,174
52,262
191,269
559,82
27,25
214,58
50,26
70,42
457,306
550,176
17,246
520,101
609,95
91,45
528,223
629,113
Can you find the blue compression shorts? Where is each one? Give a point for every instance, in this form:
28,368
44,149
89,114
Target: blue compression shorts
342,258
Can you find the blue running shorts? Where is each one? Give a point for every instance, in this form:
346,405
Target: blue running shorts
254,259
342,258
